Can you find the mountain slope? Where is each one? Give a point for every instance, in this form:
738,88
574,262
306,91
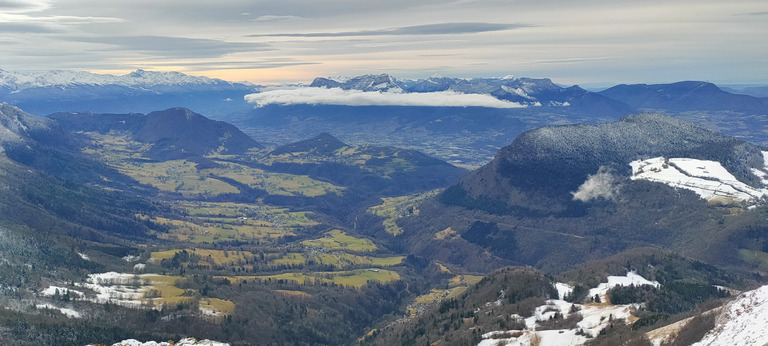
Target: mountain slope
173,133
685,96
548,164
179,132
376,170
560,195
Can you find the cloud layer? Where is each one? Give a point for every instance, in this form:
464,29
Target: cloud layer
337,96
427,29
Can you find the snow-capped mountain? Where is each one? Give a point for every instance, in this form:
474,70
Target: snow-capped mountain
526,91
136,92
137,79
369,82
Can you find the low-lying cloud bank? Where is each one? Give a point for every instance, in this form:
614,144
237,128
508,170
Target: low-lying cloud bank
338,96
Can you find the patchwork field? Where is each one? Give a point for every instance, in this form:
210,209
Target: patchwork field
217,222
352,278
209,257
338,240
275,183
393,208
336,259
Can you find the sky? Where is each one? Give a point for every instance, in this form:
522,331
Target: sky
586,42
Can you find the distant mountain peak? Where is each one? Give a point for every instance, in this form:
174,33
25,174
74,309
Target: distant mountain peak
180,132
323,144
138,78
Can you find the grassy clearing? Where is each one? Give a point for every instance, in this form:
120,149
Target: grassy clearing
177,176
338,259
447,233
164,285
221,257
276,183
758,259
465,280
290,259
217,306
215,222
352,278
393,208
338,240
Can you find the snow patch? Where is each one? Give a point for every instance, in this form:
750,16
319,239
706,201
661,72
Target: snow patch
65,311
630,279
84,256
709,179
563,289
130,258
182,342
595,317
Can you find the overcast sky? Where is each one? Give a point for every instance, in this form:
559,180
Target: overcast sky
586,42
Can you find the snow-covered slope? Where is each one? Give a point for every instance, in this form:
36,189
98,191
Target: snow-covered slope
139,78
709,179
182,342
594,317
17,126
743,321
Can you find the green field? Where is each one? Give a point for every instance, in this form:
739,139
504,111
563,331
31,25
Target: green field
337,259
393,208
338,240
352,278
215,222
275,183
211,257
758,259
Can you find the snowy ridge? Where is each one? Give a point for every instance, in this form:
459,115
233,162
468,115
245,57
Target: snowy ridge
595,317
709,179
19,81
182,342
742,322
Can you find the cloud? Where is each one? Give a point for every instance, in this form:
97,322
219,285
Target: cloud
27,28
337,96
428,29
272,18
21,6
234,65
602,184
180,47
761,13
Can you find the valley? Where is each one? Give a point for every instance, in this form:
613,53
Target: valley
171,224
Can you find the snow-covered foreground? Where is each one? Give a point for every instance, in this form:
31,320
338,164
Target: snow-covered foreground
743,321
182,342
129,290
708,179
595,317
117,288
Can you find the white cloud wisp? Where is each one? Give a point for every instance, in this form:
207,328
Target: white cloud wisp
338,96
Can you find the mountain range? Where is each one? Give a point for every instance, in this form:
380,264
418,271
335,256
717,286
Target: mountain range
166,224
139,91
